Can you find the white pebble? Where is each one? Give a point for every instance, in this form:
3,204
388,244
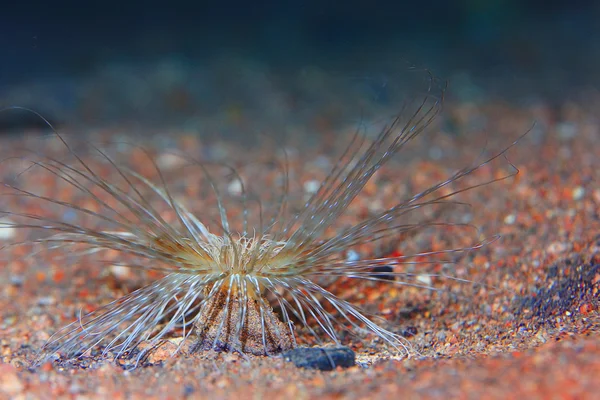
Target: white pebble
120,271
375,206
578,193
352,255
169,161
557,247
425,279
311,186
510,219
235,188
7,231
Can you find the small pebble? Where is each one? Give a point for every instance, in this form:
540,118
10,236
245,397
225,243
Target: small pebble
321,358
6,230
352,255
168,161
578,193
557,247
409,331
235,187
311,186
425,279
383,272
46,301
17,280
510,219
375,206
120,271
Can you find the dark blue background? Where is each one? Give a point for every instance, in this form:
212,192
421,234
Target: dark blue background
535,38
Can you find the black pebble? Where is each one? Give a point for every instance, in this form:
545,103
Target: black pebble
322,358
383,272
410,331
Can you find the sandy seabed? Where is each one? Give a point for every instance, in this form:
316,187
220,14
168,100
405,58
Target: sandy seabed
530,330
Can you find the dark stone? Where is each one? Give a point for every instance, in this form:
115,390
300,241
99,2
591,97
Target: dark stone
410,331
383,272
322,358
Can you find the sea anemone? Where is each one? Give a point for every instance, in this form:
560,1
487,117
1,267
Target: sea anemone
245,286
